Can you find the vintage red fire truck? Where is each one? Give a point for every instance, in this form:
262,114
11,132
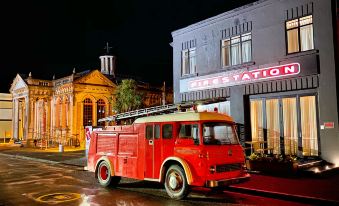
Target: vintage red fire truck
181,150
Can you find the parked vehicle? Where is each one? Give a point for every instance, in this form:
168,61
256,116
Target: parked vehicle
181,150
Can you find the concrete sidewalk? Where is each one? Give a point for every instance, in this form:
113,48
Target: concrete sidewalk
71,155
320,190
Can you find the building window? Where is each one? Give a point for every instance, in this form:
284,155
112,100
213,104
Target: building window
236,50
188,65
275,122
101,111
299,34
88,112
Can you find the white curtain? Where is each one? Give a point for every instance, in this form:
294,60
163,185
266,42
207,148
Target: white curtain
309,126
235,50
184,62
257,122
246,48
290,125
306,37
193,64
273,125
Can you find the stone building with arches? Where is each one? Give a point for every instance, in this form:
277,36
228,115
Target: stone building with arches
56,111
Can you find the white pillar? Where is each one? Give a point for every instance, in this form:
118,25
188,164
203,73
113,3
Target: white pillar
112,72
102,64
106,66
15,115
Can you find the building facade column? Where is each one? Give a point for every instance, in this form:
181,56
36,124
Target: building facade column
26,118
71,108
15,117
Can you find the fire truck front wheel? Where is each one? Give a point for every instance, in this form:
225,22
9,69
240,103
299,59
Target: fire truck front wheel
104,175
176,183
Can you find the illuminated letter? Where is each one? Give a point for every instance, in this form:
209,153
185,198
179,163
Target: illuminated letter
225,80
246,76
236,77
256,75
264,73
205,82
274,72
289,70
215,81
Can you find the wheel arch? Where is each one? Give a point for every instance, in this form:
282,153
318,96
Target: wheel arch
178,161
104,158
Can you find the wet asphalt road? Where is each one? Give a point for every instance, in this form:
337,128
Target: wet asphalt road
26,182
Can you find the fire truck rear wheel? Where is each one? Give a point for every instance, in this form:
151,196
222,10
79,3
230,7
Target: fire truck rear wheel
176,183
104,175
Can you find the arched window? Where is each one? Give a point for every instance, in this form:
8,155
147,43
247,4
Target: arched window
88,112
101,111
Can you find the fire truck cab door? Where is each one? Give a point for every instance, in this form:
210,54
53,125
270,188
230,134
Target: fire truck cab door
152,150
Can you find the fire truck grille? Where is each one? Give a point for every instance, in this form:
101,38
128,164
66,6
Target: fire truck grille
228,167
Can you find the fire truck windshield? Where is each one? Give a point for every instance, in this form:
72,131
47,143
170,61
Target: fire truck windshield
219,133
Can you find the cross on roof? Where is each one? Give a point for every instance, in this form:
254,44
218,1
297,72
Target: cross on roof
107,47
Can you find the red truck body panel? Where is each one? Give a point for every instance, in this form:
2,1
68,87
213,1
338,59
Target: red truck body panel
144,151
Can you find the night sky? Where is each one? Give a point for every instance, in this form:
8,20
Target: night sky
53,37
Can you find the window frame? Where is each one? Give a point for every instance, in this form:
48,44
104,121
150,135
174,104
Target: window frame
229,46
197,141
299,37
186,66
296,95
88,112
163,128
101,109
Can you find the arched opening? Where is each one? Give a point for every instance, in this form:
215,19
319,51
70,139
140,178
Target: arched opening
88,112
101,107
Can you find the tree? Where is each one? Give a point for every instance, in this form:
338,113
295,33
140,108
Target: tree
127,96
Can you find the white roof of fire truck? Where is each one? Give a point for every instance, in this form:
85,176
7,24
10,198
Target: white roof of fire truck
185,116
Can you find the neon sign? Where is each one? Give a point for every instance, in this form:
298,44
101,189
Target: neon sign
245,77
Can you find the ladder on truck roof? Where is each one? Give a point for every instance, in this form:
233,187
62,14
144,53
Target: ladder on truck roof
146,111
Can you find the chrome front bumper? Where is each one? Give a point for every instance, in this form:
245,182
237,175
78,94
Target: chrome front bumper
222,183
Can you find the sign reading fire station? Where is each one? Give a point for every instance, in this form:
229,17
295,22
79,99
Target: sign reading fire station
243,77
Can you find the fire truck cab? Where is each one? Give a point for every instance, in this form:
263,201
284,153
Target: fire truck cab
181,150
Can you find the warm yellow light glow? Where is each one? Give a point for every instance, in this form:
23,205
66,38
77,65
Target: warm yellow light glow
327,167
316,170
199,107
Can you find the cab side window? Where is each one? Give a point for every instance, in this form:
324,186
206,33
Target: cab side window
167,131
153,131
156,131
149,131
190,131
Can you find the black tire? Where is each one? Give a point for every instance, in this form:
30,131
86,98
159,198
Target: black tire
176,183
105,177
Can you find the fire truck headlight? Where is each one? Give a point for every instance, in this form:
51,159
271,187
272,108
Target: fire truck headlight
212,169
